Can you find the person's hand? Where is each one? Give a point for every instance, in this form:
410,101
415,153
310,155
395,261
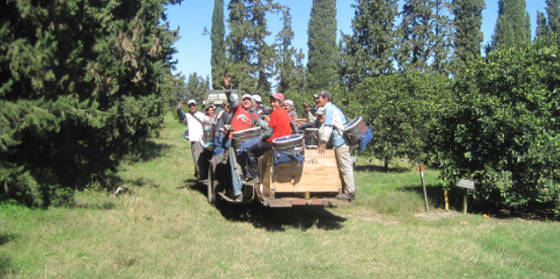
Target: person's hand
227,81
266,118
321,148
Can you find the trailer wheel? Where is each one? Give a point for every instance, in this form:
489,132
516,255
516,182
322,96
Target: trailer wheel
210,195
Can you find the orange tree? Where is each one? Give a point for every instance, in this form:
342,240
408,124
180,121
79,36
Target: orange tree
503,130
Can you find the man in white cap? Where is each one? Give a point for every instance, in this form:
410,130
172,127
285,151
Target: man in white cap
289,106
243,118
333,126
257,103
194,132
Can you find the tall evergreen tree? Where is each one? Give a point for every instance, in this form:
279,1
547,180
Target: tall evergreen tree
250,58
239,55
553,14
542,25
218,47
81,84
441,40
468,35
196,87
415,32
368,51
513,26
552,29
300,72
323,50
286,72
265,55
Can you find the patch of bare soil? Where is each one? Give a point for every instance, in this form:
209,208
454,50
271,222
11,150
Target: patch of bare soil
437,214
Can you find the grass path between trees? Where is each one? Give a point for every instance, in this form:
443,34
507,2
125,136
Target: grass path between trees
162,227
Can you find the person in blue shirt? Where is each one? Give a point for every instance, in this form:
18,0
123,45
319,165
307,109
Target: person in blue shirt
333,126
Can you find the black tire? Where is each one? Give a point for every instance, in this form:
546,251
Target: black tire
210,194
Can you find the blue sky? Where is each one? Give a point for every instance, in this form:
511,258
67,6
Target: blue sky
194,16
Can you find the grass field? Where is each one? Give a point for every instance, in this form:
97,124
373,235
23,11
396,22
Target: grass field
163,227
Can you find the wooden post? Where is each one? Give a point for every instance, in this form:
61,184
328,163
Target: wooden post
465,201
465,184
423,187
446,198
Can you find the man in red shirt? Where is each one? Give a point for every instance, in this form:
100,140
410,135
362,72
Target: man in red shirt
279,118
279,122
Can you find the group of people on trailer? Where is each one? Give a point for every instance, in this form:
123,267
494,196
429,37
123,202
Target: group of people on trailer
215,131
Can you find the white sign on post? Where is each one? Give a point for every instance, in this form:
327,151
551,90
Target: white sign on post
468,184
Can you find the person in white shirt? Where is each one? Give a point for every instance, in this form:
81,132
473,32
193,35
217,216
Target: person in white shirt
194,120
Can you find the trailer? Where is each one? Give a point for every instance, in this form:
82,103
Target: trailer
314,182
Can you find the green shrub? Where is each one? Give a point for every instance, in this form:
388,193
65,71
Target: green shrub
400,108
503,129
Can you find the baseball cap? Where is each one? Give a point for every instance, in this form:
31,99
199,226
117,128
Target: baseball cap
247,96
289,102
278,96
191,102
316,96
326,94
257,98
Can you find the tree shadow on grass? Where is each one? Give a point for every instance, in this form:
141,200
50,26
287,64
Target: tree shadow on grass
105,205
5,266
455,199
274,219
6,237
435,195
5,263
375,168
146,151
141,182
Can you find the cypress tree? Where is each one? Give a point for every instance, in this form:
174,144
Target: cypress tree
441,37
542,25
237,51
368,50
218,46
553,13
285,66
250,58
323,50
468,35
512,27
81,85
553,20
415,32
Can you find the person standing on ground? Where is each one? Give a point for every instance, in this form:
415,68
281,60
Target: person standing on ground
334,126
194,133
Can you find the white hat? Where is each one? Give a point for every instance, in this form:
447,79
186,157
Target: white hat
257,98
289,102
247,96
191,101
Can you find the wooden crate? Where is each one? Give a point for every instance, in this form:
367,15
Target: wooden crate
319,173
